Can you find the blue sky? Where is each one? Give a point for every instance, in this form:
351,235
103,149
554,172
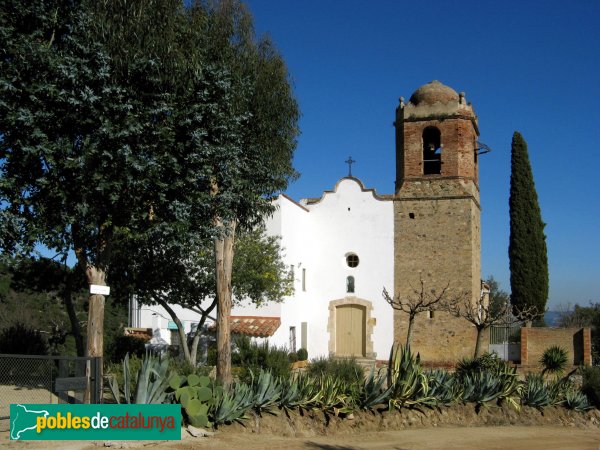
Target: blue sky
530,66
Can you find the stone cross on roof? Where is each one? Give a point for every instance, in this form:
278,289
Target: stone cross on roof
350,161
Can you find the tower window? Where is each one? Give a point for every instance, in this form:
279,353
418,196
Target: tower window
350,285
352,260
432,151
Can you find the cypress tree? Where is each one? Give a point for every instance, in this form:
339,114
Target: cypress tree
527,248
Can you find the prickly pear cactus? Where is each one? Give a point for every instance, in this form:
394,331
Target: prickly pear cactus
195,394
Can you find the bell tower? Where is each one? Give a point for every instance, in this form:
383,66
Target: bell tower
437,215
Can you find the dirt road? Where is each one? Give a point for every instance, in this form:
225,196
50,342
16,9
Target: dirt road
475,438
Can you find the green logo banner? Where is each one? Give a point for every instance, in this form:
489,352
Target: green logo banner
85,422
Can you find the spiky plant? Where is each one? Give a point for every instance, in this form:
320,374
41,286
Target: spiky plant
535,392
554,360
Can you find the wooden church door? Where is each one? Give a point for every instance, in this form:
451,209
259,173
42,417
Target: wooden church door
350,330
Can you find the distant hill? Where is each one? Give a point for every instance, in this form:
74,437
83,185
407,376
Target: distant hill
552,318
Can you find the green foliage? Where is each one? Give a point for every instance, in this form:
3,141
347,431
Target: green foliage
535,392
196,395
444,388
488,386
19,339
591,383
252,357
576,400
232,405
150,381
585,316
123,345
347,370
266,392
293,357
499,298
408,383
374,394
302,354
554,360
527,245
259,273
488,362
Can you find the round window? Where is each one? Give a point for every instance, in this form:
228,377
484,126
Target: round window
352,260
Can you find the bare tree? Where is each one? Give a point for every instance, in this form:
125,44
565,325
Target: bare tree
419,301
483,315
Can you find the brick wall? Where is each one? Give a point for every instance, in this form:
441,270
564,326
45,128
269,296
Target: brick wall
576,341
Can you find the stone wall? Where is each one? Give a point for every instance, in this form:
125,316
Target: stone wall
576,341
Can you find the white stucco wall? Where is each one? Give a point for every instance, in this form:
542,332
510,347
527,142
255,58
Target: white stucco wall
316,237
346,220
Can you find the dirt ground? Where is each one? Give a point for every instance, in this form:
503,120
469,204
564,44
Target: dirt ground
475,438
459,427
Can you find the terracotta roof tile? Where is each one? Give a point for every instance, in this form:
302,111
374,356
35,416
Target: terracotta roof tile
255,326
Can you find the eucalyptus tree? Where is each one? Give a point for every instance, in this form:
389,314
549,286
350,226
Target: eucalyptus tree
126,121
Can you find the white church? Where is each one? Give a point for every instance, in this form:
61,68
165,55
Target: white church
340,248
349,244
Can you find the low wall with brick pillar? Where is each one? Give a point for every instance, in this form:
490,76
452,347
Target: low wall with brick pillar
576,341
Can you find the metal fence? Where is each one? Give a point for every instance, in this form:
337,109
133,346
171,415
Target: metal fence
47,379
505,334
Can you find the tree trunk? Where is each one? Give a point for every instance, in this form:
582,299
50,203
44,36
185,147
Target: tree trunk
180,330
223,267
196,340
478,342
75,328
95,325
409,333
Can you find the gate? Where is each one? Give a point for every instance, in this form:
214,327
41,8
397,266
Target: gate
506,342
48,379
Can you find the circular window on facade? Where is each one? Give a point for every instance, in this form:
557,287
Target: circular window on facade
352,260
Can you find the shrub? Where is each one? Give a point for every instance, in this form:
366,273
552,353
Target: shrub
488,363
251,357
346,370
302,354
123,345
591,383
554,360
19,339
293,357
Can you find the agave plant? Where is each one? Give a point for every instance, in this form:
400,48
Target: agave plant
535,392
576,400
290,394
150,385
335,395
408,384
484,387
266,392
231,406
444,388
310,392
373,392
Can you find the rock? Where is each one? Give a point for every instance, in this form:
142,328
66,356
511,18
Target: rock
199,432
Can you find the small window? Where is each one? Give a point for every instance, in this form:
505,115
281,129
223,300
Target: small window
292,339
352,260
304,279
350,285
430,313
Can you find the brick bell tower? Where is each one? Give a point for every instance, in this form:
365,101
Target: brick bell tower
437,215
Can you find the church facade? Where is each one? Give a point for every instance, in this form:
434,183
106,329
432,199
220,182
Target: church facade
348,245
